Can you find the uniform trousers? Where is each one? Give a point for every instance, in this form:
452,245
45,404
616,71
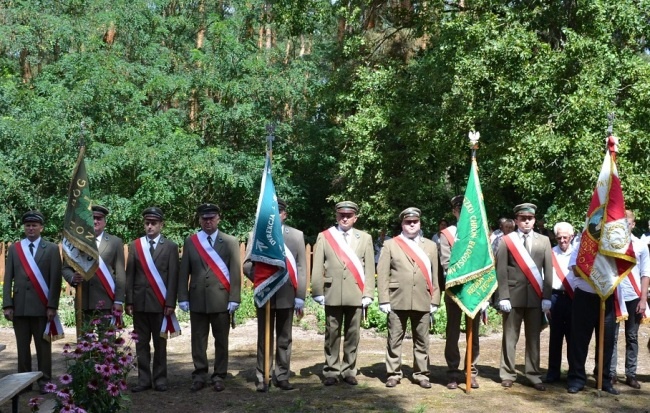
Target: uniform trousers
338,319
585,320
201,324
631,341
26,329
532,318
420,322
452,331
282,320
147,327
560,326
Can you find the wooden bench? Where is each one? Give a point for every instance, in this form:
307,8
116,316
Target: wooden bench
13,384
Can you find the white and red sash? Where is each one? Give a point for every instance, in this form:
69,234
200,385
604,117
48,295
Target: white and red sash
342,250
170,324
619,302
53,329
418,256
524,261
562,276
212,258
104,276
292,268
451,238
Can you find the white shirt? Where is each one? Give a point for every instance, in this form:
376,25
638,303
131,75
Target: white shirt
563,258
155,241
640,270
576,280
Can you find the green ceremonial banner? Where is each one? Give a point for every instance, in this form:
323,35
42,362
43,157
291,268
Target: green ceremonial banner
471,276
79,245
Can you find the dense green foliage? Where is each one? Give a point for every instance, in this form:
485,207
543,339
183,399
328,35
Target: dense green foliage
371,100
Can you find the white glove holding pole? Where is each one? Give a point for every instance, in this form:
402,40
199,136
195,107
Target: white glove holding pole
232,307
184,305
320,299
505,306
546,305
366,301
433,308
384,308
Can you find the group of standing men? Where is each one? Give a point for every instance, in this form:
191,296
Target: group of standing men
535,285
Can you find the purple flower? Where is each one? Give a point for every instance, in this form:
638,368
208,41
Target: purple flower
34,402
122,384
95,321
113,390
85,346
100,304
50,387
68,408
93,385
64,394
65,379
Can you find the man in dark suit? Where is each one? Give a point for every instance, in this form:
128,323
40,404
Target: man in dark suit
525,277
343,281
151,286
288,299
407,281
29,262
101,293
209,286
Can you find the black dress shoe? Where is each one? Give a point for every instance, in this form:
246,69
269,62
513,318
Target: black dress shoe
351,380
539,387
611,390
138,388
261,388
391,383
161,387
425,384
452,385
573,389
284,385
330,381
219,386
474,383
631,381
196,386
506,383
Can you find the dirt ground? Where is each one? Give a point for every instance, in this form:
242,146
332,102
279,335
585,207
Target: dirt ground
370,395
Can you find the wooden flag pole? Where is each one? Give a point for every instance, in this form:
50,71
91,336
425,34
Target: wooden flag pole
267,323
469,333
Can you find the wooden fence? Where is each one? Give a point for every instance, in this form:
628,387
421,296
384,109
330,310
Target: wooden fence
242,252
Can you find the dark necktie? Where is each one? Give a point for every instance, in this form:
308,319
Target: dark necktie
210,240
151,244
526,242
31,248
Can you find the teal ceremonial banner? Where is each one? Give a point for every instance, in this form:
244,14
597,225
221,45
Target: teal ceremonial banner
268,243
471,276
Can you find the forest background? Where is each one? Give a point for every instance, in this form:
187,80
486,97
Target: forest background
371,100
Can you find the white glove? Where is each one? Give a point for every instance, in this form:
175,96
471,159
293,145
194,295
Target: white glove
298,304
184,305
546,305
232,306
505,306
320,299
433,309
366,301
485,306
384,308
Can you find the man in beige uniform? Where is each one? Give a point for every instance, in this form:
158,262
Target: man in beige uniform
289,298
525,277
407,280
343,281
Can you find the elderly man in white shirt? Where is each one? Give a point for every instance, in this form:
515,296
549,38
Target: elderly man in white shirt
634,289
561,300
